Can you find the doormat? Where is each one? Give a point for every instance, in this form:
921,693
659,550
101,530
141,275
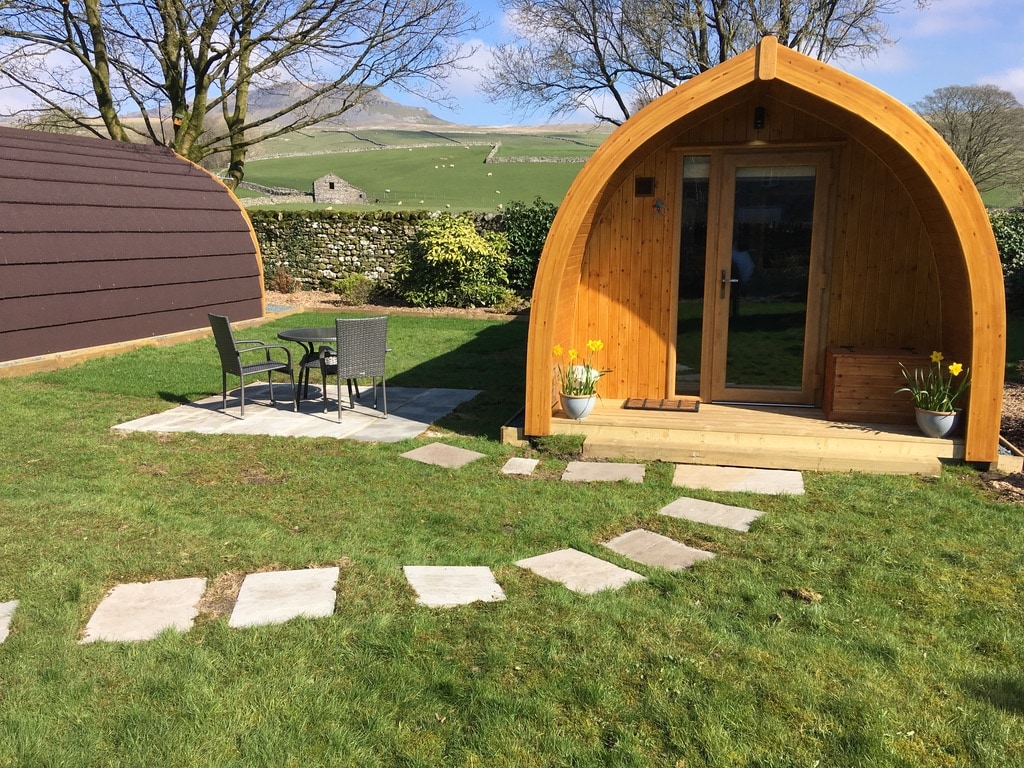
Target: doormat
687,404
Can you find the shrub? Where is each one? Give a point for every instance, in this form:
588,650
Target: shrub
526,227
1008,227
354,289
281,281
453,265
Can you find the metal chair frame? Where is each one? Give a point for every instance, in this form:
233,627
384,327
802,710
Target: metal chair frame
231,350
361,350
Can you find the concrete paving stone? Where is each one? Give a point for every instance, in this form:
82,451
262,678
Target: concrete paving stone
133,612
445,586
275,597
712,513
768,481
410,411
579,571
443,455
601,471
6,615
518,465
654,549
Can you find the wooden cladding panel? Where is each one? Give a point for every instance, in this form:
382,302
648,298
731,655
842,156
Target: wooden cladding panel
102,242
83,276
885,290
625,296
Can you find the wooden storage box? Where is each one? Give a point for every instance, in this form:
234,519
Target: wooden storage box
859,384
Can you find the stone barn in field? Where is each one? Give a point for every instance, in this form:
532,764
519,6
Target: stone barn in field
334,189
103,242
772,237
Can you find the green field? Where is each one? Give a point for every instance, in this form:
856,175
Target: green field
450,172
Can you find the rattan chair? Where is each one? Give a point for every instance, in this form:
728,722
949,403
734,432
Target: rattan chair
361,348
231,351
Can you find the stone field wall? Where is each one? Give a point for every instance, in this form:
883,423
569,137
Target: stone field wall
316,248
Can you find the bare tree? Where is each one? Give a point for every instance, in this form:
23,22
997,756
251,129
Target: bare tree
984,125
612,56
181,72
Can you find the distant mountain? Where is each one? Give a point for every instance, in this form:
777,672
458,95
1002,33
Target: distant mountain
375,111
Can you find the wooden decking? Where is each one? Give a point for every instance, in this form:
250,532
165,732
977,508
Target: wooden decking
752,436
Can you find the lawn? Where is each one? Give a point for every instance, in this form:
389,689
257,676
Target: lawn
912,656
450,172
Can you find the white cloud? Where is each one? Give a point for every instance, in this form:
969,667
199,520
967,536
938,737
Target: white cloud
943,17
1011,80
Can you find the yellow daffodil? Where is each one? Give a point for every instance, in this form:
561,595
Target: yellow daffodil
934,389
578,376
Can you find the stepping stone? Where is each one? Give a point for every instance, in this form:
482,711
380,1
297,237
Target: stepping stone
768,481
277,596
579,571
444,586
6,614
133,612
654,549
712,513
601,471
519,466
443,455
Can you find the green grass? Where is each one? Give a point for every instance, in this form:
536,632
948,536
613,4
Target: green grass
439,176
912,658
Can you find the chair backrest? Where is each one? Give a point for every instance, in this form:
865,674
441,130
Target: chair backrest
225,339
362,345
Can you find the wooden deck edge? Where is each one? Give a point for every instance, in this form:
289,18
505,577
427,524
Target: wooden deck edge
833,461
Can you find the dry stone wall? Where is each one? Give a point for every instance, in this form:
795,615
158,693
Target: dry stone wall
316,248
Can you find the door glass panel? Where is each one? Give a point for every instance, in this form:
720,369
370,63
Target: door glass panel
692,259
772,216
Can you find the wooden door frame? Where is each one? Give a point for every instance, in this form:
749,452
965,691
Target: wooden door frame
714,332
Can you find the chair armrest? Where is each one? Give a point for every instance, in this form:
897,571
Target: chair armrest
267,347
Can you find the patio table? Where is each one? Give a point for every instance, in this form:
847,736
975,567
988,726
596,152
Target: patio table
309,338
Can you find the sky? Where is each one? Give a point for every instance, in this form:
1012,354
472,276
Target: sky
951,42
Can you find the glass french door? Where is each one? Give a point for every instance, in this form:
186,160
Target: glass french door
752,246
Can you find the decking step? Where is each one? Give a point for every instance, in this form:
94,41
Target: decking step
833,459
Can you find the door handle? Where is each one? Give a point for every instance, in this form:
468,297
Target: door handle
725,281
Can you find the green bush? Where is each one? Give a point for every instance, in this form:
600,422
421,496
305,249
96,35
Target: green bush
1008,227
354,289
451,264
526,227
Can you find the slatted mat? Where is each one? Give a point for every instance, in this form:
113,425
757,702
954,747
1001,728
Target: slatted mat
685,404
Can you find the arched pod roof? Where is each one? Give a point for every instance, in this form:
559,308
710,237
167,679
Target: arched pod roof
973,314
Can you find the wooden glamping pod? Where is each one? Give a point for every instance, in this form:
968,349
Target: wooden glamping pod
103,243
773,237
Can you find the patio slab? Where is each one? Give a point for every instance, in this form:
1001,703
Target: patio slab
410,411
518,465
654,549
579,571
603,472
6,615
446,586
711,513
767,481
275,597
136,611
443,455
